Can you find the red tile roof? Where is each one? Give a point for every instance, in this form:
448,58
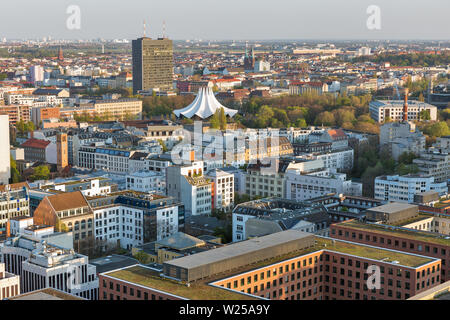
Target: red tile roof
35,143
14,186
67,201
336,133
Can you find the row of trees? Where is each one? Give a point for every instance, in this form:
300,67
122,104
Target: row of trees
158,106
86,117
412,59
309,109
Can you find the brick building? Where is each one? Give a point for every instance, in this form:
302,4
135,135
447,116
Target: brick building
397,238
289,265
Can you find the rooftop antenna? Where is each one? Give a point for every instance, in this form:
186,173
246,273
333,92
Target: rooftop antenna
164,29
145,31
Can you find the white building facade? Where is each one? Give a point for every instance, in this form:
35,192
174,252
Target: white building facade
403,188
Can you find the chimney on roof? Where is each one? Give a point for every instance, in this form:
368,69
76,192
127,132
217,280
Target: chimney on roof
405,106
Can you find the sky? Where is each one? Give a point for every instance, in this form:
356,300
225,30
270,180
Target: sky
227,19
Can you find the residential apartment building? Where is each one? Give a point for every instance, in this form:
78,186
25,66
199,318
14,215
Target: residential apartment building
301,187
442,144
268,179
403,188
14,202
146,181
337,137
188,184
434,164
16,113
339,160
400,137
130,219
88,187
40,114
299,87
107,159
222,189
39,150
128,109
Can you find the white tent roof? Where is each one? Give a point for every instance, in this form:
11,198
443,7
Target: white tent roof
204,106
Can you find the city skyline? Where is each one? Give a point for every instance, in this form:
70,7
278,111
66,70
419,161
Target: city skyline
324,20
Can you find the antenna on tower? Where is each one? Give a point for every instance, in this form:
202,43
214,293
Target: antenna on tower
164,29
145,31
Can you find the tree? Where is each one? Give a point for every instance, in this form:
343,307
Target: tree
241,198
424,115
15,175
343,115
163,145
300,123
421,98
264,116
437,129
142,257
222,119
407,157
40,173
226,233
325,118
215,120
20,125
29,126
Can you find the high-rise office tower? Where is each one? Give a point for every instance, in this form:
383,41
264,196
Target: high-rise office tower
152,64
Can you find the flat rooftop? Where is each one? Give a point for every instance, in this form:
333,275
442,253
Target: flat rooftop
197,291
393,207
46,294
238,249
405,233
202,290
374,253
420,217
112,262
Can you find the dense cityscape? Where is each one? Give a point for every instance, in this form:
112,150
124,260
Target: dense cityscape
160,169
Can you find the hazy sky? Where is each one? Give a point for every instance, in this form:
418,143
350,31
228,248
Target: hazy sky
227,19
